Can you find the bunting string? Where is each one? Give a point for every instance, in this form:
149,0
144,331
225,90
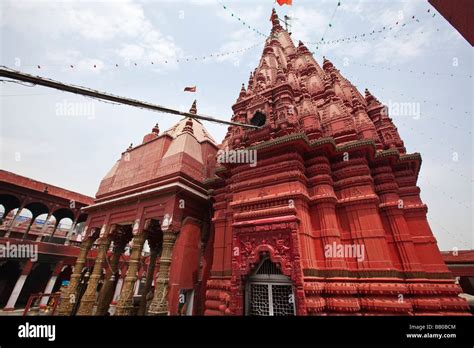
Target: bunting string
371,34
417,131
412,71
242,21
430,116
435,103
330,22
130,64
453,236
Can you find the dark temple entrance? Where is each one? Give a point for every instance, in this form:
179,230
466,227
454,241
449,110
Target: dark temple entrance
269,292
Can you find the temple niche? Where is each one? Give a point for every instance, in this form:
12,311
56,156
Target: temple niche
329,221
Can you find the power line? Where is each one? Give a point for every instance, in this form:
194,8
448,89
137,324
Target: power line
37,80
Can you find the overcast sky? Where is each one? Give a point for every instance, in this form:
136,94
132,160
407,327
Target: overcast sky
72,142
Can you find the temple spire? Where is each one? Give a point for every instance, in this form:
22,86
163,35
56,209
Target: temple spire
370,98
275,21
243,92
327,64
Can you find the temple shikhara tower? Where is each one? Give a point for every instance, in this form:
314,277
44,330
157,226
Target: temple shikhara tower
332,173
327,221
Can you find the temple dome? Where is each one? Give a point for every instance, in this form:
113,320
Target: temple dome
181,150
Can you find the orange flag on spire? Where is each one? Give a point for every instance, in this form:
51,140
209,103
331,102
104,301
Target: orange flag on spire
283,2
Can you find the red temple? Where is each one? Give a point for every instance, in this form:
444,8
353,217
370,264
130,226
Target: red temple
332,175
317,212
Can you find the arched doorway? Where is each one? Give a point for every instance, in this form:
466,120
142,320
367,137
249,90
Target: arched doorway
269,292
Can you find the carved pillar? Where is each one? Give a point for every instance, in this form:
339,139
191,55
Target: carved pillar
159,304
125,305
44,228
149,279
68,294
118,290
13,220
88,299
71,230
107,291
32,221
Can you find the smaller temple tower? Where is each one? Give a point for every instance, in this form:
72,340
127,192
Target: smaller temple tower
153,208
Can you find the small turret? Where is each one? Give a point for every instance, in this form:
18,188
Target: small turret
243,92
193,109
153,135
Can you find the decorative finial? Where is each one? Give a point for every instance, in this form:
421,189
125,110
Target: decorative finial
156,129
327,65
243,92
193,109
275,20
188,127
369,97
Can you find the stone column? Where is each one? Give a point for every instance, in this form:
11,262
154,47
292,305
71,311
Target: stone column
18,286
50,238
32,221
50,285
149,280
71,230
88,299
125,305
7,234
68,294
159,304
45,227
107,291
118,290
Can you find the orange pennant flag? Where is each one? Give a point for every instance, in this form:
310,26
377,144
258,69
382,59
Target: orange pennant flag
283,2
